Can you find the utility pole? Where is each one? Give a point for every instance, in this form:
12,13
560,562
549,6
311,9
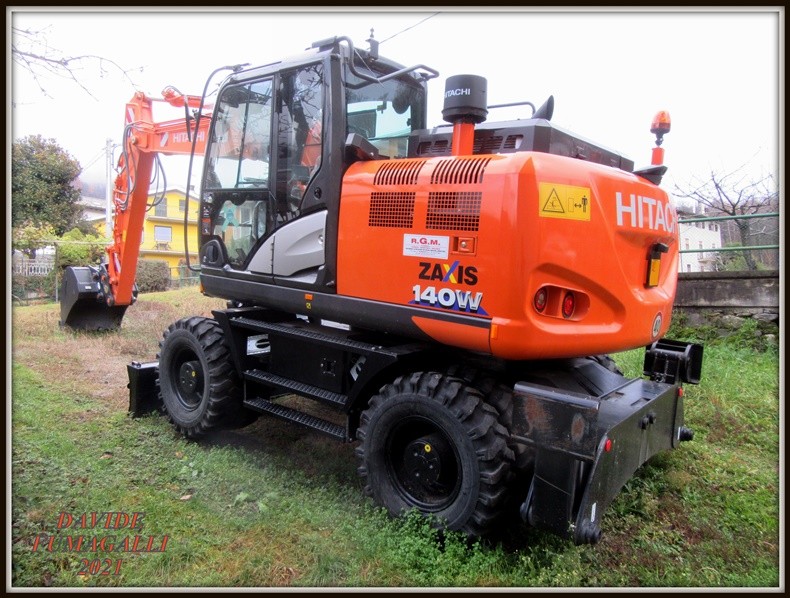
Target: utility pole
108,194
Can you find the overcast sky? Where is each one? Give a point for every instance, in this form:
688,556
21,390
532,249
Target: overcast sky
717,72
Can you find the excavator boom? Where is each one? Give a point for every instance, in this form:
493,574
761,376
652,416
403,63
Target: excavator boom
96,297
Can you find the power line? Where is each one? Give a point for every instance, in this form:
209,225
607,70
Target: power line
93,161
412,27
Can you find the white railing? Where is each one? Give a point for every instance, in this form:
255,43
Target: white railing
33,267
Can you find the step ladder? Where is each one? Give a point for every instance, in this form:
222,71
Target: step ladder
298,417
337,340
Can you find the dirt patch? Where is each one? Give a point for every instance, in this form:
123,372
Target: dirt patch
281,556
675,518
94,364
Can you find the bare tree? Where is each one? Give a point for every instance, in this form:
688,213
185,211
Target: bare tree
31,52
736,193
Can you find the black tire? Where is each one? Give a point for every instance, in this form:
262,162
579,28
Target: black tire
197,381
500,396
607,362
430,442
495,394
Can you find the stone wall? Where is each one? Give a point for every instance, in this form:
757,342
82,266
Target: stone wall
726,300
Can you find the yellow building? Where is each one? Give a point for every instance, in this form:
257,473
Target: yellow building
163,232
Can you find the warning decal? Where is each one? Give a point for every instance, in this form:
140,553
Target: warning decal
564,201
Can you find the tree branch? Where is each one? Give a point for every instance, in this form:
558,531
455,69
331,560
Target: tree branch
731,193
38,63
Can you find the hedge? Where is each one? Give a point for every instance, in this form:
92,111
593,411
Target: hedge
153,275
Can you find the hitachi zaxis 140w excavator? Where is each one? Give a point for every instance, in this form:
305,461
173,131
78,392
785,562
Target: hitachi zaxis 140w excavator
450,295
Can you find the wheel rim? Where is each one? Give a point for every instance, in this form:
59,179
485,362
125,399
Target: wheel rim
423,464
186,373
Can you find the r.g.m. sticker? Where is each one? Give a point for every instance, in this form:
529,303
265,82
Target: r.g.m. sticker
426,246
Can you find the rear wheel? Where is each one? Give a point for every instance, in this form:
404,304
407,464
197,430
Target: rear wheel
430,442
197,382
607,362
500,396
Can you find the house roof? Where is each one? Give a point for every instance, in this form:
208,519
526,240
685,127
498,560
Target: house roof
97,203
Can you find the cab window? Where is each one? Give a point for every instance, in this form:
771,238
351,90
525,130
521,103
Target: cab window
236,187
239,154
384,113
300,102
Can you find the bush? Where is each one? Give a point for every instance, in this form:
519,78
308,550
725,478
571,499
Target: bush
749,334
24,286
153,275
85,250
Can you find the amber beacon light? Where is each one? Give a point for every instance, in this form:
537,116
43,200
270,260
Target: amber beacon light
660,127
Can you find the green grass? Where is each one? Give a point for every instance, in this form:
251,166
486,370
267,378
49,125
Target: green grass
273,505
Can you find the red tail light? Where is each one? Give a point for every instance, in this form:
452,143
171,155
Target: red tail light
568,305
541,299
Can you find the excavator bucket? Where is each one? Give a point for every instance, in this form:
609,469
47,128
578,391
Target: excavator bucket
82,302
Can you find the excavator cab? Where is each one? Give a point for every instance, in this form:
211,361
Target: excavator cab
301,114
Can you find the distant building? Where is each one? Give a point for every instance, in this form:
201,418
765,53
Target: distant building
698,235
163,231
94,210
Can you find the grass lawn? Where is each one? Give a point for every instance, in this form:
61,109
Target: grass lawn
273,505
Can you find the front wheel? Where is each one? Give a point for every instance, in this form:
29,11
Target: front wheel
430,442
197,382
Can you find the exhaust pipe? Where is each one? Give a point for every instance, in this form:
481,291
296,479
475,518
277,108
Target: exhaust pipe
465,105
83,303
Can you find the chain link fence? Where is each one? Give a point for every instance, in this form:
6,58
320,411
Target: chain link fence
38,281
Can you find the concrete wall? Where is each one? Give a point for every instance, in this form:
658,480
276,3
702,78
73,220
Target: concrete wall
726,299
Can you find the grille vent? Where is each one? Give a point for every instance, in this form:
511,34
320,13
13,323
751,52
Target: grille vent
439,147
463,171
391,209
513,142
454,210
400,172
487,146
491,145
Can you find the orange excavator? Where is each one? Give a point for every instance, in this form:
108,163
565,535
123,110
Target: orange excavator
449,294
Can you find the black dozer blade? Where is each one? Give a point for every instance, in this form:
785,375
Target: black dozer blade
82,302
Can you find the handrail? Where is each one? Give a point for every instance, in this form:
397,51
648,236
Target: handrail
730,248
714,218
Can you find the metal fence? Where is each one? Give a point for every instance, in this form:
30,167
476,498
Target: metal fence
34,267
33,280
181,276
731,248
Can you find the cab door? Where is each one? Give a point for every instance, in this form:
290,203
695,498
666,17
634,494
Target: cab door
297,246
263,208
237,209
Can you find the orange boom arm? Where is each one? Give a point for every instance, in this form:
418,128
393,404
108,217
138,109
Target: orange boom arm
142,140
